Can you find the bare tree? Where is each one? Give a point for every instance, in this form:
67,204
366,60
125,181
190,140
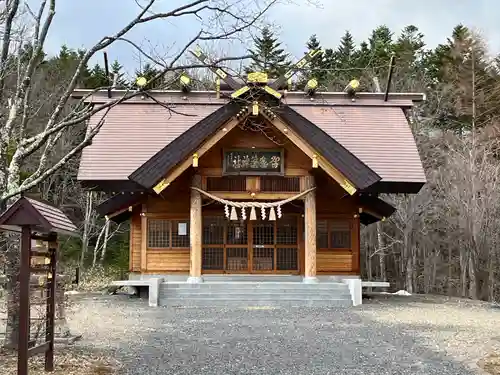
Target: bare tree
20,60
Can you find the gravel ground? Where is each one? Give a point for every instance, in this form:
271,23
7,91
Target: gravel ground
387,335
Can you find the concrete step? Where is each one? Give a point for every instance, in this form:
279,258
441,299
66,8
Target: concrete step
256,278
252,296
247,285
245,303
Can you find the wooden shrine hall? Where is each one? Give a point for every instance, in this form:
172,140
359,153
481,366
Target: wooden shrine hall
252,179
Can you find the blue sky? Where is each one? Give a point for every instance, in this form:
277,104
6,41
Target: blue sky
82,23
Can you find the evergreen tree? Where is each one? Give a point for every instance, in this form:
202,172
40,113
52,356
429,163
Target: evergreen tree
97,78
345,52
317,67
381,48
460,72
116,70
409,46
268,56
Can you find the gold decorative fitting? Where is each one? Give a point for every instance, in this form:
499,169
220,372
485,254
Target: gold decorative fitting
224,129
347,186
252,195
255,108
195,160
355,216
315,161
257,77
141,81
312,84
273,92
162,185
185,80
239,92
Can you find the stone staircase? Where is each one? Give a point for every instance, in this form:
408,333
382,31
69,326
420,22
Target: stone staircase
254,290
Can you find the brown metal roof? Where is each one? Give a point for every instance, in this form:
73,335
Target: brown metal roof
379,136
132,134
375,131
360,174
41,216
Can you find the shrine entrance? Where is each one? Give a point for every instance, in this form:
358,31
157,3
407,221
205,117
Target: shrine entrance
259,246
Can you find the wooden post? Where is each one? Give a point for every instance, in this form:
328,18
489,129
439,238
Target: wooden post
51,306
24,301
144,239
310,232
195,233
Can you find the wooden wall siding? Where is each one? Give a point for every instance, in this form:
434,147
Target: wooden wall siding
170,203
238,138
168,260
334,261
135,241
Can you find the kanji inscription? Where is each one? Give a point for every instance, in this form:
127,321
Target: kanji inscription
252,161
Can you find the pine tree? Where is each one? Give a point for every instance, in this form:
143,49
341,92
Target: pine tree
116,70
381,48
317,67
97,78
345,52
268,56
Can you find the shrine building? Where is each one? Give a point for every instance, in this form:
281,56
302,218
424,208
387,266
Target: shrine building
251,179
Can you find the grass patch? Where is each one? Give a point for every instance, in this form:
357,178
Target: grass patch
67,361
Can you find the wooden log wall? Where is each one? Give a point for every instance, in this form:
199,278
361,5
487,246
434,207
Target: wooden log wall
331,200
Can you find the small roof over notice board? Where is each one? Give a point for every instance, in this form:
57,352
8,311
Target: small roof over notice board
40,216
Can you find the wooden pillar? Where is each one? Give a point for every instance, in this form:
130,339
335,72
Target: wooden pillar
24,302
310,231
144,239
195,233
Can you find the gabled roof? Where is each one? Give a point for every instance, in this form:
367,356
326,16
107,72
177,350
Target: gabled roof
374,131
154,169
348,164
40,216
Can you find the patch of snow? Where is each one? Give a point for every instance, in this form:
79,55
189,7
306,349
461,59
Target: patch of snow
402,293
71,292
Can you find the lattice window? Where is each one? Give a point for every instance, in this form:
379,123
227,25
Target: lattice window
213,258
168,234
340,234
278,183
213,230
237,259
322,234
263,233
158,233
226,183
263,259
180,233
236,233
286,231
334,234
287,259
